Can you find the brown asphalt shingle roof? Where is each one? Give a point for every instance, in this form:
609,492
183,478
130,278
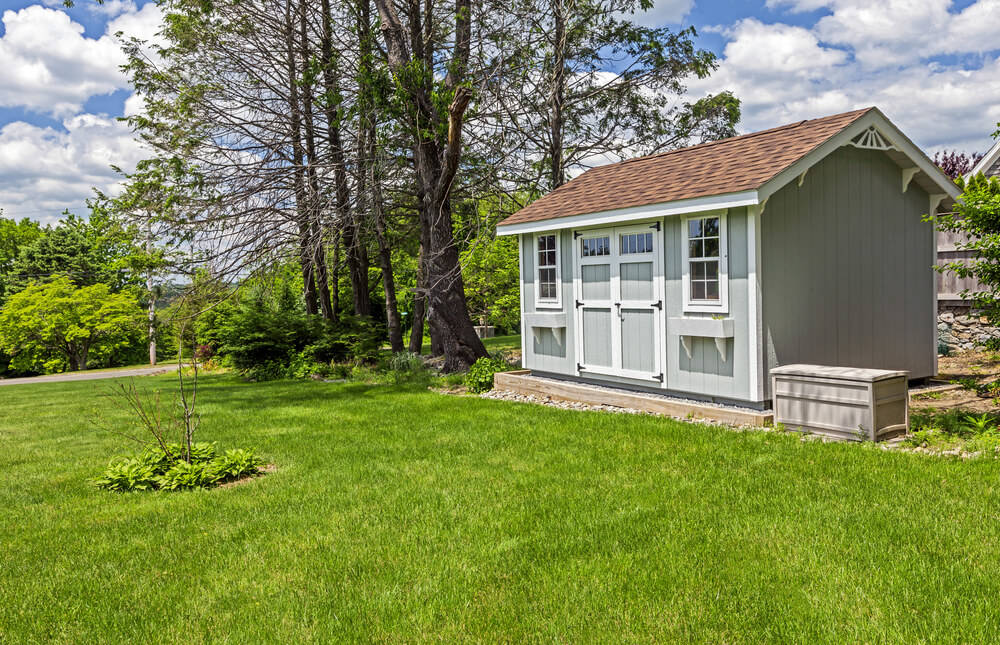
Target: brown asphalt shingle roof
730,165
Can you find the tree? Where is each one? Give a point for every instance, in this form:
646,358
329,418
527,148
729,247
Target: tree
53,325
14,236
434,94
88,251
492,285
976,217
589,85
956,164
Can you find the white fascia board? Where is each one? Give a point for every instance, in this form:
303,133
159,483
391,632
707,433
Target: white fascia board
987,161
873,118
650,211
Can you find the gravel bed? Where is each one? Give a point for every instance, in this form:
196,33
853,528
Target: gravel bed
506,395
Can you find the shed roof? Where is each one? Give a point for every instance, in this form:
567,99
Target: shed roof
731,165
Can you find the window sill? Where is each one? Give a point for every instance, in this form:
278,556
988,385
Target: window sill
698,308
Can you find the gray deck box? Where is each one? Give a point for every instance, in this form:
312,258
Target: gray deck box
843,402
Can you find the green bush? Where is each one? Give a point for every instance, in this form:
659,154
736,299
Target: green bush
123,475
183,475
154,469
480,376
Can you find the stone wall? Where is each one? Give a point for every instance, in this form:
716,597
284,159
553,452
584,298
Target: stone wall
961,330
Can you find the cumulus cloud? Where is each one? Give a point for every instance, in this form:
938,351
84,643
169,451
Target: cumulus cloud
784,73
50,67
896,32
46,170
664,12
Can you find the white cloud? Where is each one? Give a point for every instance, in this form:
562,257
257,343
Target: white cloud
664,12
784,73
897,32
45,170
49,65
112,8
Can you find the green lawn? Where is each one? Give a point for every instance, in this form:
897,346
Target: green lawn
404,515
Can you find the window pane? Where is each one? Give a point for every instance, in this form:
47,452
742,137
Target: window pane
697,270
541,258
697,290
631,243
695,249
712,290
647,240
694,228
712,248
711,227
604,246
711,270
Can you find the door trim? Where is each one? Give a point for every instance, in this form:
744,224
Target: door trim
615,259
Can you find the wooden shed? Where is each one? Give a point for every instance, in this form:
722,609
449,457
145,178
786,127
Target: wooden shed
696,271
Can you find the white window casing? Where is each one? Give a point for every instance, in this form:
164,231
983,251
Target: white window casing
697,279
547,266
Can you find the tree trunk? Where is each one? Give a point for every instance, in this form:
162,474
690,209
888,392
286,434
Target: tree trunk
557,95
151,309
335,279
436,162
419,307
302,213
368,169
151,318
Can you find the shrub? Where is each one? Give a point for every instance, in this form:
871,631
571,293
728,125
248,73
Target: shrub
235,464
182,475
123,475
155,469
480,376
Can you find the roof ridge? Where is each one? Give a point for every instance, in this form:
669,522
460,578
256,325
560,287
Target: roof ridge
787,126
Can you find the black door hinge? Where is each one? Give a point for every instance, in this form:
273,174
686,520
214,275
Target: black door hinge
659,377
658,304
656,226
576,234
578,304
579,368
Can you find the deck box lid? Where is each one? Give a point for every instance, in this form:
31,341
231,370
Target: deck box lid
845,373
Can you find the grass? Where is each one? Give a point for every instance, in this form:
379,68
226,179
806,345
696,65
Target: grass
402,515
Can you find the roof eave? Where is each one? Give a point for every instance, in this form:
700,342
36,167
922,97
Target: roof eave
873,117
987,161
635,213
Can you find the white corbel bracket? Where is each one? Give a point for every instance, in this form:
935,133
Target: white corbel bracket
908,175
720,346
935,202
557,332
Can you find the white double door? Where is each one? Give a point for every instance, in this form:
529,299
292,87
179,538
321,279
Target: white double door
618,286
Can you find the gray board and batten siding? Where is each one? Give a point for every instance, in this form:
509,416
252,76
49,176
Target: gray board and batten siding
705,375
837,286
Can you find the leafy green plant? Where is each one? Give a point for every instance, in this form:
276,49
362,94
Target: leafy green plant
155,469
182,475
977,425
128,474
480,376
236,464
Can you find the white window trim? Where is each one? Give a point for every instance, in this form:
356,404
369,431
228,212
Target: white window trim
706,306
549,303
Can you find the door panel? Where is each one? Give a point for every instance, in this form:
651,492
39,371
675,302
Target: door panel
619,301
638,340
596,332
637,281
596,280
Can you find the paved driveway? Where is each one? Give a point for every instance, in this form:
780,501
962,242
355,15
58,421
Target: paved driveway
89,376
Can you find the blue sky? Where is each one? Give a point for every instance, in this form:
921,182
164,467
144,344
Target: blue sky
933,66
